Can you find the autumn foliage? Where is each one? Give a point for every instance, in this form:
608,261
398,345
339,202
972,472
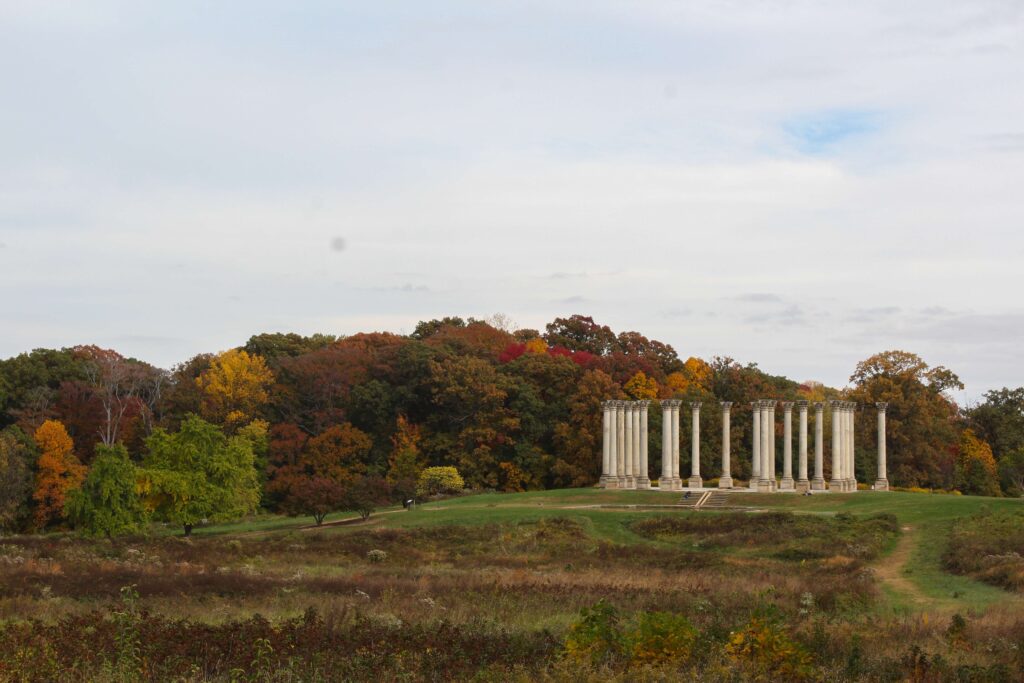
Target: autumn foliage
57,472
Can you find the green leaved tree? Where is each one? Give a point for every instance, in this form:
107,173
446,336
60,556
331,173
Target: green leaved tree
199,473
108,502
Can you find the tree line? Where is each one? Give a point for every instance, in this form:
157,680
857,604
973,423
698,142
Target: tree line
292,423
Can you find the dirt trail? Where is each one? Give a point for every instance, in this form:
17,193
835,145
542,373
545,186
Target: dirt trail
891,569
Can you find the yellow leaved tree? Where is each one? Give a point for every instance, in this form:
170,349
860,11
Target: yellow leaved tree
234,387
641,387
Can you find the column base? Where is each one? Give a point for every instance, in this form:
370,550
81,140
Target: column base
754,479
764,486
817,484
880,485
787,484
803,485
630,482
643,483
836,486
852,484
695,482
725,482
670,485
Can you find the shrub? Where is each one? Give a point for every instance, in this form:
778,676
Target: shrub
768,652
597,637
376,556
660,637
438,481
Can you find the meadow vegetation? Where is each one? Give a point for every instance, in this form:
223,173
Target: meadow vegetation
542,586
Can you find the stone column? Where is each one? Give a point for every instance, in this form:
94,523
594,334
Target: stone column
725,481
818,483
882,482
695,481
755,447
613,465
643,480
835,483
677,482
787,483
630,477
802,482
620,443
605,443
771,447
665,481
851,434
764,484
636,443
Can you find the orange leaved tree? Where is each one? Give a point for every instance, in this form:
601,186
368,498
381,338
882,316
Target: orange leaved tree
57,472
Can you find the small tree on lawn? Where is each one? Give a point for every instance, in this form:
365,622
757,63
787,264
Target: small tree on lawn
108,502
438,481
316,496
199,473
365,494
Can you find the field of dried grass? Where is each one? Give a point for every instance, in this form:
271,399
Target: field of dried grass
505,587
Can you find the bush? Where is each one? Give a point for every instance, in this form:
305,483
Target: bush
767,651
439,481
376,556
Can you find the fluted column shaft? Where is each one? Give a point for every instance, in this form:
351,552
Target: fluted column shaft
818,483
695,479
666,446
636,442
675,443
764,483
837,441
628,427
787,447
644,475
771,449
802,480
725,481
605,442
620,442
851,472
882,482
755,446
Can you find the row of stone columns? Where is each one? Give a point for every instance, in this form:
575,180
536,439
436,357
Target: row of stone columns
625,461
624,445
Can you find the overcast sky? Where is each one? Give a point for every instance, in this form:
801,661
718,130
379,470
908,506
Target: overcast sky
797,184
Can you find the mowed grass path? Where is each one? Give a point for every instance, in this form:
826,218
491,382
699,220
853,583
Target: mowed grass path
913,576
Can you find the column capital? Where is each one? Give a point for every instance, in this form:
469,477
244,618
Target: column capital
768,403
819,406
754,405
881,405
620,405
726,406
787,406
801,405
836,405
695,405
642,405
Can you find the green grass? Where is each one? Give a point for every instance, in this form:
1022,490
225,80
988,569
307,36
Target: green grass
607,515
